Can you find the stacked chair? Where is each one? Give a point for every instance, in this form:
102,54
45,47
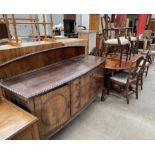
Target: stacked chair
119,45
116,45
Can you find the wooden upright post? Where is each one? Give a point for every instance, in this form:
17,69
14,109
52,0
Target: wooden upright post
44,25
14,27
32,26
37,27
51,24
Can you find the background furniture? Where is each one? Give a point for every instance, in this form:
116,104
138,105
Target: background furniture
15,123
30,21
114,64
95,22
126,79
55,85
117,44
90,36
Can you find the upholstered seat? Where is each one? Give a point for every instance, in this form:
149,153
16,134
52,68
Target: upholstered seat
114,41
126,79
146,64
122,78
133,38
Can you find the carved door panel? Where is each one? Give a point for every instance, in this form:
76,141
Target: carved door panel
92,87
99,79
75,84
75,107
85,93
96,81
85,79
53,110
75,101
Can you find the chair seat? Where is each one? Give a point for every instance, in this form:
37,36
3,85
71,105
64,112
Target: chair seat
114,41
137,71
133,39
146,65
121,78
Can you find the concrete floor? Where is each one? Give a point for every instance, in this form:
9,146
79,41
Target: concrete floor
114,119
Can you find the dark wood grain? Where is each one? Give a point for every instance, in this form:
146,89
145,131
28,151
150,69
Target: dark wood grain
114,63
8,52
37,60
59,85
35,83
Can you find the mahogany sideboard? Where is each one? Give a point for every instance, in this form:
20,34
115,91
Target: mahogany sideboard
55,85
16,123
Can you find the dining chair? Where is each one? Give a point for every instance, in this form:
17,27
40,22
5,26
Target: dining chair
148,58
126,79
142,69
117,45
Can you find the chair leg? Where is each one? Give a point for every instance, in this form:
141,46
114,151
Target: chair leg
137,84
147,70
103,95
127,94
109,83
141,82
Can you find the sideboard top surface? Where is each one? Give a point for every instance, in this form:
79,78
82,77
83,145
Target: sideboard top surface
49,77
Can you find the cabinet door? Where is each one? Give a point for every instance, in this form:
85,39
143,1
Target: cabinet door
30,133
53,110
96,81
75,101
99,79
85,95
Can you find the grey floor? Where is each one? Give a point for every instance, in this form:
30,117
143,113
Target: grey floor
114,119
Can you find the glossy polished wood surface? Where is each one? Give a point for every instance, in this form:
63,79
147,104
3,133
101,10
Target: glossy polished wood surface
64,82
8,52
59,106
14,120
37,60
114,63
35,83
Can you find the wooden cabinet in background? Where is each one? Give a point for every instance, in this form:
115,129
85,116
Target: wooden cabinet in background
95,22
95,25
90,36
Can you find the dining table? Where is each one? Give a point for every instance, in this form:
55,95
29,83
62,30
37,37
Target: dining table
113,63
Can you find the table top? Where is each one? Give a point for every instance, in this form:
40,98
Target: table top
114,63
44,79
13,119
